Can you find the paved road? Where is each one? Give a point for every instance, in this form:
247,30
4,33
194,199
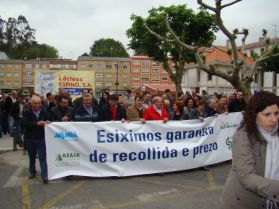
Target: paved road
180,190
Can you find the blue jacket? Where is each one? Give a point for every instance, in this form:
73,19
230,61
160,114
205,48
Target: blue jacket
82,114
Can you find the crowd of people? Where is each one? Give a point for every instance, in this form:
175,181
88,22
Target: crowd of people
253,181
23,118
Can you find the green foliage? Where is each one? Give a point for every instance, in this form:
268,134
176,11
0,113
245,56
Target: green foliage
272,63
194,29
17,39
108,48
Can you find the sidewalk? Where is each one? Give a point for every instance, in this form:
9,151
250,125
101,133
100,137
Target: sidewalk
6,143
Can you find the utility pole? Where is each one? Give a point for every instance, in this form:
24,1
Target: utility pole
116,82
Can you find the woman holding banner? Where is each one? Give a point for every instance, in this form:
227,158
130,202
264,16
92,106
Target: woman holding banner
253,181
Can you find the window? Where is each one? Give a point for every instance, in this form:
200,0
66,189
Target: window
124,76
29,82
8,74
155,78
136,70
17,83
28,74
90,66
37,66
16,74
63,66
136,78
108,75
145,70
99,75
44,66
145,63
1,82
156,63
2,74
28,65
99,83
82,66
108,67
108,84
1,66
99,67
145,78
209,77
125,67
136,62
165,78
199,75
155,70
124,84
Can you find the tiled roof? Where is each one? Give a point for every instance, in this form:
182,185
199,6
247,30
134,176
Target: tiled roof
259,44
219,54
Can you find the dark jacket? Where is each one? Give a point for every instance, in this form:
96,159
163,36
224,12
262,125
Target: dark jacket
237,106
31,130
15,110
56,113
106,115
82,114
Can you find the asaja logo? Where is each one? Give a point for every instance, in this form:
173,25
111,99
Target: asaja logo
228,125
68,136
229,143
68,156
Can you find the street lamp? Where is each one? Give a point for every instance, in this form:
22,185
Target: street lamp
116,82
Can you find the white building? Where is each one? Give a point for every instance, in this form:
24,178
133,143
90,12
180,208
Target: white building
194,79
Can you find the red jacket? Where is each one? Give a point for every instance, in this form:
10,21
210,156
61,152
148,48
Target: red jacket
151,114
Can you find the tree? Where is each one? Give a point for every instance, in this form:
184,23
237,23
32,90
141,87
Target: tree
150,36
34,51
272,63
240,75
17,39
108,48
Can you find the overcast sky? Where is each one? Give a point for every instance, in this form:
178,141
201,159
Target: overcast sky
72,26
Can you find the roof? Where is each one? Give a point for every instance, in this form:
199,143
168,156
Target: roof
259,44
3,56
110,59
219,54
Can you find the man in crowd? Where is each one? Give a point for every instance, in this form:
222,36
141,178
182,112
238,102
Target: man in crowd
112,111
146,99
8,108
237,105
135,112
168,96
88,111
222,107
156,111
211,107
62,112
34,120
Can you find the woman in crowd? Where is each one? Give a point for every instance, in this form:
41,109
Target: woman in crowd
189,109
104,100
177,110
253,181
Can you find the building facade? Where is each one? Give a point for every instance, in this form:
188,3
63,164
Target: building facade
111,73
10,74
145,70
198,80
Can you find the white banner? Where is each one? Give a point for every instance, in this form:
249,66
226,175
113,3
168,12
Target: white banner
125,149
